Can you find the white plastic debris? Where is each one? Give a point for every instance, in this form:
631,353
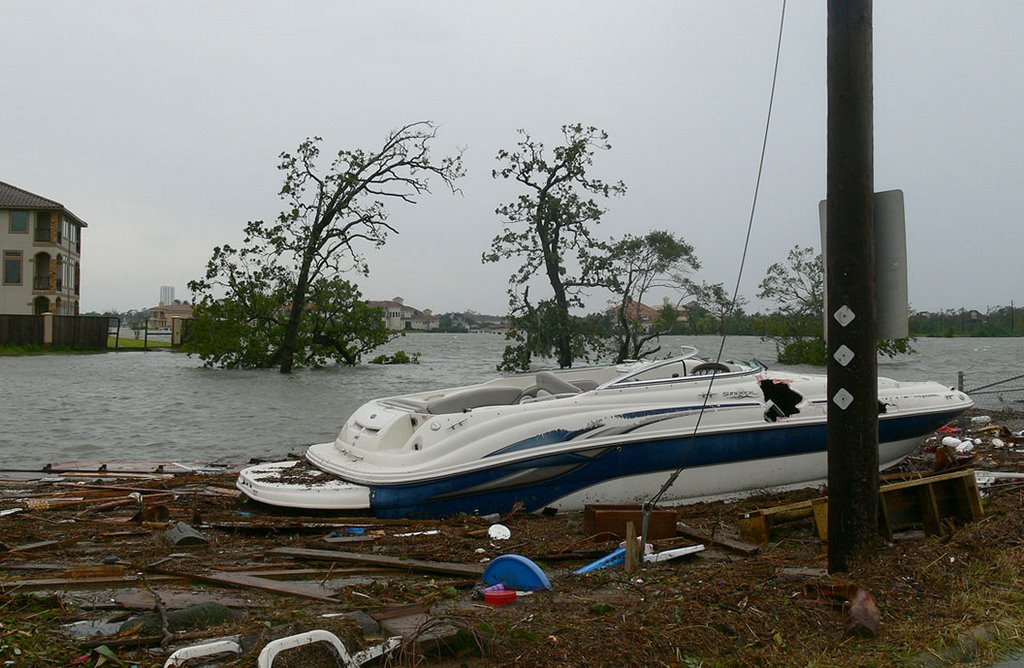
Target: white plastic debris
672,554
988,478
980,420
951,441
180,657
275,647
998,443
965,446
499,532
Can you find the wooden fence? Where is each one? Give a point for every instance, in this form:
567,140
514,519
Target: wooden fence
69,331
21,330
80,331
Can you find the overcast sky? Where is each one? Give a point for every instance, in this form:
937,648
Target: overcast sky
160,125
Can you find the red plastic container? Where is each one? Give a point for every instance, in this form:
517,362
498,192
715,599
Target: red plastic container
500,597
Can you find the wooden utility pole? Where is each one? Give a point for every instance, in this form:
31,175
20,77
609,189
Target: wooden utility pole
850,272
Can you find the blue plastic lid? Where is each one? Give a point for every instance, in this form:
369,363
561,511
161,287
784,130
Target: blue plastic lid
516,572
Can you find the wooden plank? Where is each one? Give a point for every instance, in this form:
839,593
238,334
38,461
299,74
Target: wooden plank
973,497
97,571
295,573
81,583
45,544
930,515
29,566
755,525
754,528
99,466
351,539
604,518
284,526
176,600
718,541
632,549
417,565
885,524
927,479
820,509
300,589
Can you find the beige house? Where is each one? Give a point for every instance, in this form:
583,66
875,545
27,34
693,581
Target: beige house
398,316
41,242
162,316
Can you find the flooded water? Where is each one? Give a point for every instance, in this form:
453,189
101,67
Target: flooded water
164,406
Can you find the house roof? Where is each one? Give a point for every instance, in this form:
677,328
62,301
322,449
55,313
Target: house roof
13,197
391,303
172,308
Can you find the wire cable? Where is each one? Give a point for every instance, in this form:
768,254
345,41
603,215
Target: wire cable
735,295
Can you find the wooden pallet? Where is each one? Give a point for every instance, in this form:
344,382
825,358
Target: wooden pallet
937,503
934,503
756,525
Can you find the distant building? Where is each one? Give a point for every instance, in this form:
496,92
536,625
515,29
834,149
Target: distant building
160,317
166,294
647,315
479,322
398,316
41,242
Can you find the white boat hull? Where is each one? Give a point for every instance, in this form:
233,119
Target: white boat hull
483,449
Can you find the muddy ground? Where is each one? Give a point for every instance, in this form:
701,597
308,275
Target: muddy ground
88,554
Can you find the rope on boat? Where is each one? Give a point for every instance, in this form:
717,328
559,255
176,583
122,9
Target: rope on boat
735,295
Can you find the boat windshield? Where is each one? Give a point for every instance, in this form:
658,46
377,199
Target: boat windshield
680,369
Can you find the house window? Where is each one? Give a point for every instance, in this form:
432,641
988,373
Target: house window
12,267
19,222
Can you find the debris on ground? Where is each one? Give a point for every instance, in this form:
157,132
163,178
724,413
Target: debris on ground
133,563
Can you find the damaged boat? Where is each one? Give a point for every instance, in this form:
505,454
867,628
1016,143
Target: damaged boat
572,437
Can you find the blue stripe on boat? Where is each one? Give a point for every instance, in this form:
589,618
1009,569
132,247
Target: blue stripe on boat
664,455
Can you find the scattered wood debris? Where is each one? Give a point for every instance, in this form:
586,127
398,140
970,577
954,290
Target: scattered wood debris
78,546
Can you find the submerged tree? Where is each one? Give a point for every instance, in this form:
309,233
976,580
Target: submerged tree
641,264
282,288
798,290
549,228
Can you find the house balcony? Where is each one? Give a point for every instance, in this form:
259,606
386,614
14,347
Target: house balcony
41,283
43,235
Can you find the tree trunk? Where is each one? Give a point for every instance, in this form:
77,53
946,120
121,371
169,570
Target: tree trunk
564,326
564,338
286,355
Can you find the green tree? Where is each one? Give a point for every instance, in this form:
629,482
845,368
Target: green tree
244,328
549,228
328,213
797,326
798,291
638,265
341,325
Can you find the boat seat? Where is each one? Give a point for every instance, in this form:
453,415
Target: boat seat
552,384
586,385
459,402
